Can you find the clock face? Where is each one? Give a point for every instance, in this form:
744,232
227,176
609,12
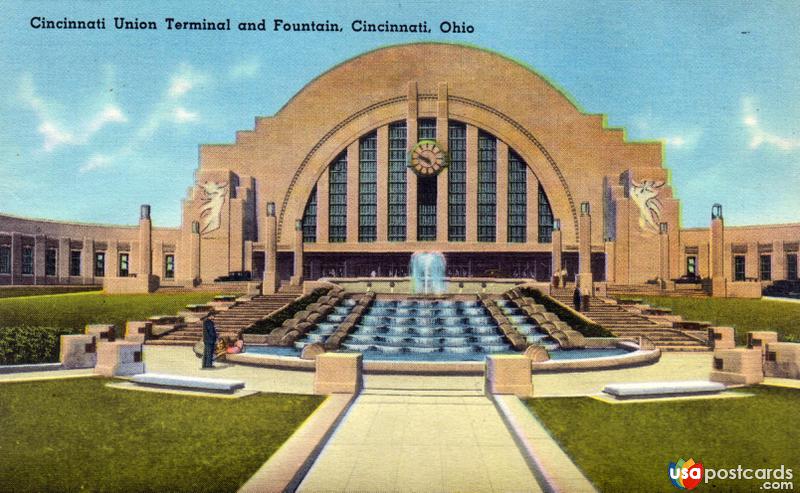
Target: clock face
427,158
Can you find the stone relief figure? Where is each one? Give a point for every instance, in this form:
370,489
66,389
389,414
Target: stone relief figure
645,195
211,207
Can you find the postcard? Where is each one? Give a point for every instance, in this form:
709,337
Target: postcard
399,246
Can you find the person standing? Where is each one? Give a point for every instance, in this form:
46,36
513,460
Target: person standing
576,299
209,341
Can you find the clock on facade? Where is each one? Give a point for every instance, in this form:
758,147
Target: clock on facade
427,158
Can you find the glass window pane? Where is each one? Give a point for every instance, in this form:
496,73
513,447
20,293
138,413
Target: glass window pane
457,183
397,181
337,200
487,187
367,188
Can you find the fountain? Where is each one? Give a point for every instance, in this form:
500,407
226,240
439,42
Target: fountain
427,273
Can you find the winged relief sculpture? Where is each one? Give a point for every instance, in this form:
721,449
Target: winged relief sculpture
645,196
211,206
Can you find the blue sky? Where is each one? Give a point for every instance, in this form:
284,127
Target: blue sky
94,123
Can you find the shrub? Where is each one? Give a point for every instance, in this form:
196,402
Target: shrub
268,324
28,345
566,315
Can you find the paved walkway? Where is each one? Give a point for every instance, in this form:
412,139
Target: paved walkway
181,360
421,440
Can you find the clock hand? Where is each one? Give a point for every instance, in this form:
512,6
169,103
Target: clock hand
423,158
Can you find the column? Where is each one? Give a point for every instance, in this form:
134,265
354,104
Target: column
585,249
158,258
501,210
297,278
87,261
611,270
555,257
145,268
16,258
442,135
63,260
323,205
248,255
778,261
411,176
663,239
717,252
472,184
271,281
352,192
751,261
112,258
194,260
382,184
39,251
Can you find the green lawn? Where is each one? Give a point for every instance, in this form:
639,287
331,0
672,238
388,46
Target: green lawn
627,447
743,314
71,435
40,290
74,311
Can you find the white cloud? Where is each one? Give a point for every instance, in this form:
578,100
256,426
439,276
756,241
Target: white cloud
111,113
166,111
683,140
184,81
182,115
54,131
95,162
649,126
54,136
245,70
758,134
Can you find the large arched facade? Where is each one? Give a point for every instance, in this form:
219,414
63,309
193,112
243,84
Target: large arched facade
430,91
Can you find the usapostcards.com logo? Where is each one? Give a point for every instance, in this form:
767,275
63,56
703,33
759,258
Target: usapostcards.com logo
685,475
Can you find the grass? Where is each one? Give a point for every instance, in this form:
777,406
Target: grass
71,435
743,314
628,447
74,311
37,291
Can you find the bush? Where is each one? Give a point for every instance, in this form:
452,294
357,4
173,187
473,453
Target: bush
28,345
270,323
588,329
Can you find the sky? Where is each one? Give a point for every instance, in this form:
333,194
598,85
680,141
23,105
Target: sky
94,123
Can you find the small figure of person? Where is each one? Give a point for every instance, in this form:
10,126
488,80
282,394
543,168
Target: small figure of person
237,346
209,341
576,299
557,279
563,278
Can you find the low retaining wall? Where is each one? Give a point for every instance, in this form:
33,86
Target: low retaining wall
636,357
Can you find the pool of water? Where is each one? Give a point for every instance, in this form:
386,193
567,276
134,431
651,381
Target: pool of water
431,330
555,354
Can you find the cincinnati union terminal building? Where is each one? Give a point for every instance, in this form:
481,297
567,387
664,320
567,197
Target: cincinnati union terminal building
418,147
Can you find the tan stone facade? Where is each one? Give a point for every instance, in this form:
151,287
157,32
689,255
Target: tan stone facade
330,168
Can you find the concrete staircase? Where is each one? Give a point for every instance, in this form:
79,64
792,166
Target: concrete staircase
626,324
230,322
638,290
